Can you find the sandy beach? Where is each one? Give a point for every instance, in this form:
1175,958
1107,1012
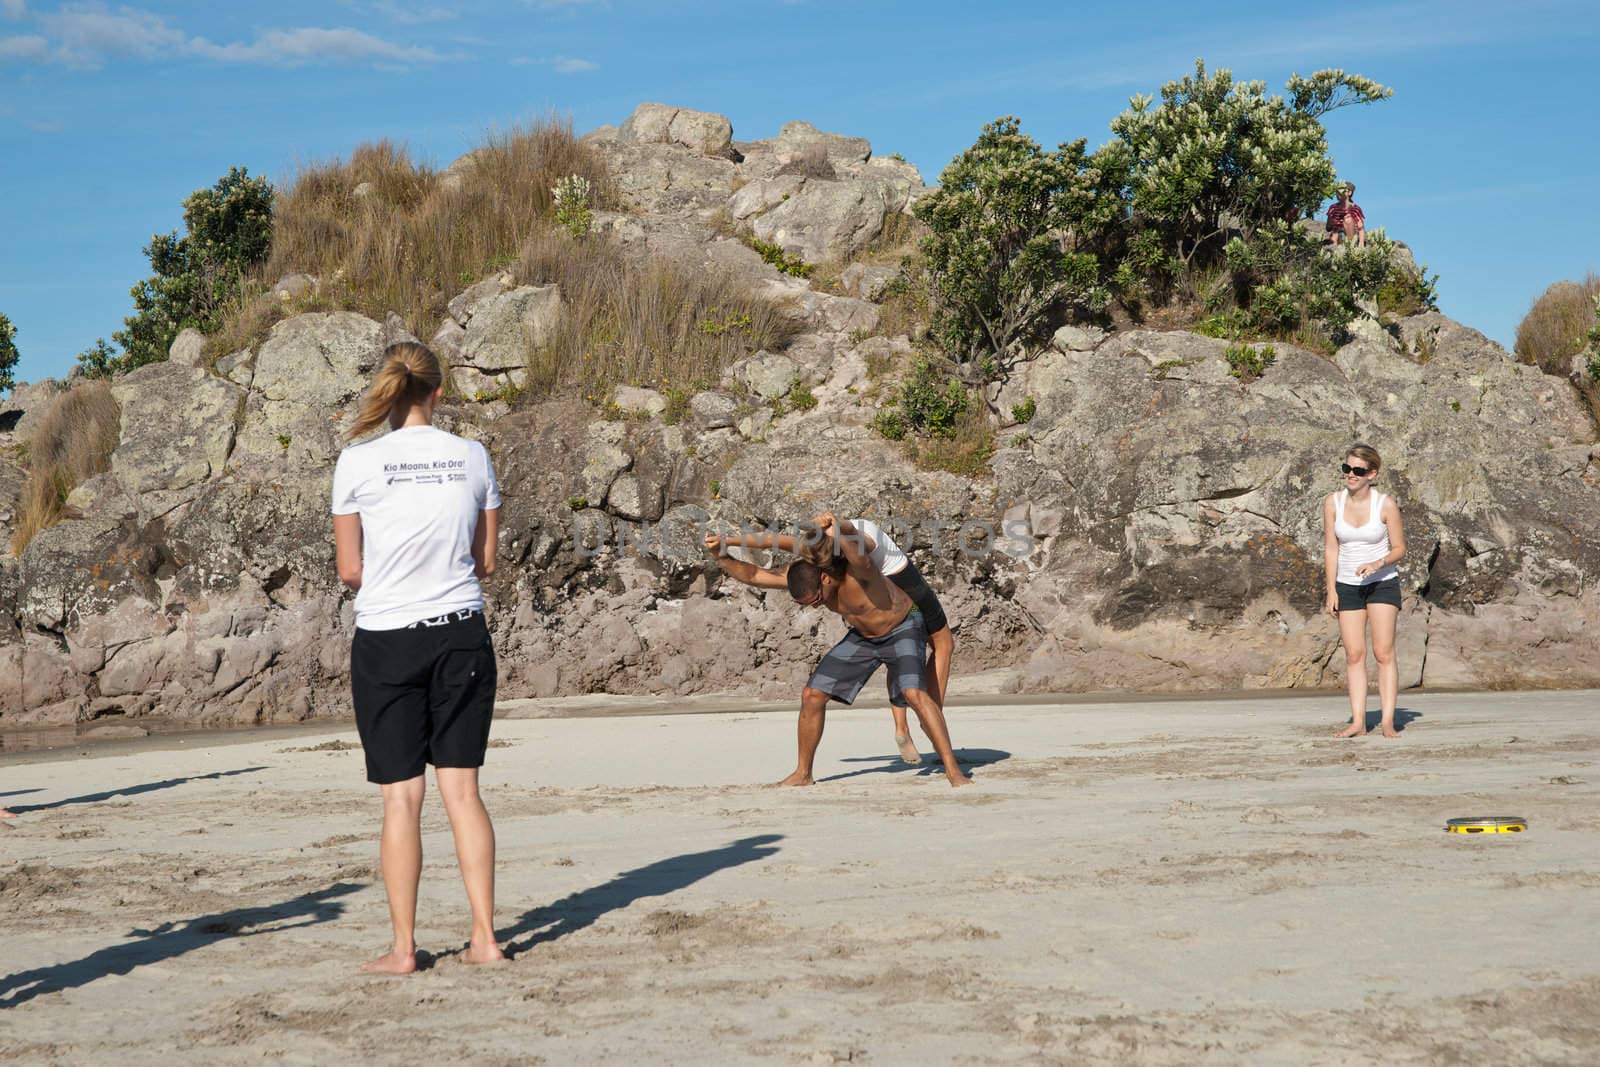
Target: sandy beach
1162,882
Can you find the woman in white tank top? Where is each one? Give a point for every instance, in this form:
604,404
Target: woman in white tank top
1362,541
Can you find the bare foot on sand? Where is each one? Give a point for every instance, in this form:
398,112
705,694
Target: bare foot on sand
392,962
958,779
798,778
486,953
4,814
1353,730
908,751
1389,730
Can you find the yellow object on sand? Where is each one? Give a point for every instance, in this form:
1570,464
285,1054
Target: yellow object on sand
1505,824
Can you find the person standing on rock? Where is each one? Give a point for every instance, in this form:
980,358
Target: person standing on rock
893,563
1362,541
1346,219
883,630
415,513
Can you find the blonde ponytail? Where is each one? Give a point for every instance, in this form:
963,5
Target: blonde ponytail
408,373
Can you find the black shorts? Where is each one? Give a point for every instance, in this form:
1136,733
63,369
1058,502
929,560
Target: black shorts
848,665
423,695
910,579
1357,597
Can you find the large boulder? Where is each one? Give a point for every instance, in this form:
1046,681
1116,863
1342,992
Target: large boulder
178,427
830,220
308,376
502,331
798,139
27,404
701,131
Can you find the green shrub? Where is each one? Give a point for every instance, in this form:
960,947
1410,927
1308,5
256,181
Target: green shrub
1013,234
1247,363
1557,326
718,322
8,354
1217,156
228,231
570,196
1592,360
677,408
928,405
774,254
1287,284
801,398
1025,411
1406,293
99,360
577,503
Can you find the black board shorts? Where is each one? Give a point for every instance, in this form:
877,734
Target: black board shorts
1357,597
916,587
423,694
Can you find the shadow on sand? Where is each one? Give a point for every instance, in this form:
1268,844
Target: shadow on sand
930,765
18,792
572,913
132,790
1403,717
173,939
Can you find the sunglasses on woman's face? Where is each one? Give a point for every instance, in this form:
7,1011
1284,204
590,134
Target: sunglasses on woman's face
1359,472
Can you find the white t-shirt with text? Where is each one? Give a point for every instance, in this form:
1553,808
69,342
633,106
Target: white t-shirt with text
418,491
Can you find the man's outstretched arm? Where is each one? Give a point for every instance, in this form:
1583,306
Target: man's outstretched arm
742,570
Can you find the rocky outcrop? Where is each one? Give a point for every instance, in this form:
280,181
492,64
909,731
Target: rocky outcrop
1155,523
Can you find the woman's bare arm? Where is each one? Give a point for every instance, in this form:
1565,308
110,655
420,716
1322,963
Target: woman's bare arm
347,549
781,542
1330,550
484,540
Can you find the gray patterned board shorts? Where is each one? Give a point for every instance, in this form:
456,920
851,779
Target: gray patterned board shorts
849,664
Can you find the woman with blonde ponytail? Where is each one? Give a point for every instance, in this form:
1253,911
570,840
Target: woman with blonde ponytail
415,513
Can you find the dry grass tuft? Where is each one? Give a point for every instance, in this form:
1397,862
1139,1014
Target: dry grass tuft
652,323
967,453
1557,326
812,162
72,443
413,237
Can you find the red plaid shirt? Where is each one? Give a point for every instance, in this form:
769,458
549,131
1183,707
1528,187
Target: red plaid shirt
1338,212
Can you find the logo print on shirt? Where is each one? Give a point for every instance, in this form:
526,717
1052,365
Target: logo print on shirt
426,472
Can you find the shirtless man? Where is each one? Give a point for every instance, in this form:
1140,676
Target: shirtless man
883,629
896,566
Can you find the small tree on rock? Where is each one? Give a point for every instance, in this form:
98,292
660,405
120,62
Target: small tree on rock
8,354
228,230
1015,234
1217,157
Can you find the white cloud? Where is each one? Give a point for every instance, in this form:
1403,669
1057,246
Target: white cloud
573,65
85,35
404,14
30,46
311,45
13,9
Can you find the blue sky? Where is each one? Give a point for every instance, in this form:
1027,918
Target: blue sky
1484,161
